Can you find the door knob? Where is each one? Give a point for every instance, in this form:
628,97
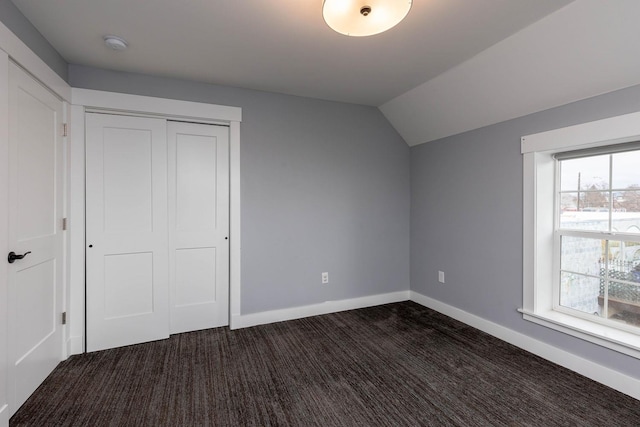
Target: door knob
13,256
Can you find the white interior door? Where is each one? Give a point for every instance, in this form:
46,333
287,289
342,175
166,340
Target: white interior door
35,229
198,226
126,230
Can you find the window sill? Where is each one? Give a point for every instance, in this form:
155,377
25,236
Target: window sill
615,339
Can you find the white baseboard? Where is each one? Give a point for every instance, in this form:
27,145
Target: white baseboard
265,317
587,368
4,416
75,345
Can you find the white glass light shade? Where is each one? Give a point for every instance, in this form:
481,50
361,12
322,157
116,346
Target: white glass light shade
364,17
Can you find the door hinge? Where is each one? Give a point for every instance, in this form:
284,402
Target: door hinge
65,130
64,318
65,223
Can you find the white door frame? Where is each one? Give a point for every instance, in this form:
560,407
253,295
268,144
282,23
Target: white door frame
93,100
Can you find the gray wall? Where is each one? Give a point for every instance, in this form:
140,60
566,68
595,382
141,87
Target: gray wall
466,220
13,19
325,187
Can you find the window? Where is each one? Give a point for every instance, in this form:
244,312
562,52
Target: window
597,235
581,235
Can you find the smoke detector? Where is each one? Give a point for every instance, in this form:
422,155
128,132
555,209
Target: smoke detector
116,43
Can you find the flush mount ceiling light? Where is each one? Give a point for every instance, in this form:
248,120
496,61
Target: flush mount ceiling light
364,17
115,43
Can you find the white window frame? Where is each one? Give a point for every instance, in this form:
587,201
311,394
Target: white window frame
539,176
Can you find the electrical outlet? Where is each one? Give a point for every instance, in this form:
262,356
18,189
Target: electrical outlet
325,278
441,276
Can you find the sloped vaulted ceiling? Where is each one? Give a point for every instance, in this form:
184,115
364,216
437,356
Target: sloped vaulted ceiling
585,49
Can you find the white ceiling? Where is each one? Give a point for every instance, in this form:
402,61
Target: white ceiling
451,66
280,46
587,48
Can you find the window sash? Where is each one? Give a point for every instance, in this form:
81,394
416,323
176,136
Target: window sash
609,190
635,330
596,235
602,235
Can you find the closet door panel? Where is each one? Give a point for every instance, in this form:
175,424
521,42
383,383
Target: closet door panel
198,225
127,273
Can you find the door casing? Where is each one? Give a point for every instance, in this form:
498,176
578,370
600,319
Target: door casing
85,100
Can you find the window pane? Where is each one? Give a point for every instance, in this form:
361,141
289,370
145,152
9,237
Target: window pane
580,293
625,172
626,212
568,202
591,173
574,216
594,201
624,302
623,257
580,255
623,298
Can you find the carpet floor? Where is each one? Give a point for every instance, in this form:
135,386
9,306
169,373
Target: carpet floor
392,365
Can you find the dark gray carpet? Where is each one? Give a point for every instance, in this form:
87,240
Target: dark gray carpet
392,365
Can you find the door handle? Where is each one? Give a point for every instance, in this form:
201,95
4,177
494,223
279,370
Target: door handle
13,256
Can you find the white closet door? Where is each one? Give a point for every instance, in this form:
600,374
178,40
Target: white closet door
35,229
198,226
127,265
